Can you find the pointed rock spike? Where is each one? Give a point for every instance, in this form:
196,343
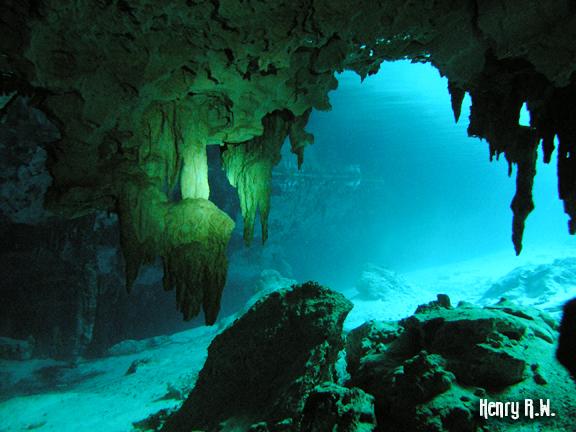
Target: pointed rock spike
456,97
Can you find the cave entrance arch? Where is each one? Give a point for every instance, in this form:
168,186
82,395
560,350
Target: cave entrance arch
190,74
404,185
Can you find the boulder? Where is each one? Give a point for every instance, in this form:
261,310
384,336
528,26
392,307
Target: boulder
546,286
271,280
428,372
566,352
331,407
379,283
261,369
13,349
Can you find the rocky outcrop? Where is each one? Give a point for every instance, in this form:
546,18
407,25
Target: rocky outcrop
566,352
546,286
428,372
331,407
260,370
63,283
63,287
12,349
139,90
24,178
378,283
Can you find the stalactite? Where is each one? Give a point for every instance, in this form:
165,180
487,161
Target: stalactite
565,126
494,116
456,98
191,236
299,138
524,155
194,254
141,216
159,155
190,137
548,146
249,169
567,178
555,116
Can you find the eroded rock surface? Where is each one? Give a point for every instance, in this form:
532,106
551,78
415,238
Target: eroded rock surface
260,370
139,89
378,283
429,371
546,286
566,352
331,407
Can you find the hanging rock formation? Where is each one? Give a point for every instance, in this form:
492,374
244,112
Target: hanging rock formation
138,90
61,286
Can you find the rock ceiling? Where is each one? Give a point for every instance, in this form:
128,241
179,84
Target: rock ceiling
139,88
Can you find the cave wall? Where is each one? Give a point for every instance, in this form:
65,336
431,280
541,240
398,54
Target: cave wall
62,286
138,90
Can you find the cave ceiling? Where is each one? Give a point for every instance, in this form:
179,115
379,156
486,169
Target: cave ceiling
139,88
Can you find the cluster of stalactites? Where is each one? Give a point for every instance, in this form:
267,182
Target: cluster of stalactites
557,118
248,165
191,237
174,150
187,231
496,103
191,234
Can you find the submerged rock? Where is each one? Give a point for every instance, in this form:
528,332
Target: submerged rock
131,346
261,369
271,280
547,286
378,283
331,407
566,352
428,372
14,349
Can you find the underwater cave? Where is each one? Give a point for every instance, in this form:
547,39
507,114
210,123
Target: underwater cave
269,216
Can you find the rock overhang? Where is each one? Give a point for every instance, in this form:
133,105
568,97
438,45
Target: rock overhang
139,89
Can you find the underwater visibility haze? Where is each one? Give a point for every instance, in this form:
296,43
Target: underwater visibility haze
287,217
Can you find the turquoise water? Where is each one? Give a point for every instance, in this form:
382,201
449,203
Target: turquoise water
427,194
393,181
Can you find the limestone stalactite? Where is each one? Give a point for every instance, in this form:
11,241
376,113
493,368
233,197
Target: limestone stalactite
191,236
138,90
249,169
456,98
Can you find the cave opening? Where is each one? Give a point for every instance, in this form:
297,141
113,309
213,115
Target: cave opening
392,180
163,159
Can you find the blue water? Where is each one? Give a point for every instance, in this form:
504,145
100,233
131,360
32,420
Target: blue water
428,194
391,180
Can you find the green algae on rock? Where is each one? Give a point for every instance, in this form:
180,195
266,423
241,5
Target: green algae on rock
138,89
429,371
262,368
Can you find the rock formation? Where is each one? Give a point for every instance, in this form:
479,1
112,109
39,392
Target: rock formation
566,352
260,370
546,286
429,372
273,370
62,279
379,283
138,90
330,407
